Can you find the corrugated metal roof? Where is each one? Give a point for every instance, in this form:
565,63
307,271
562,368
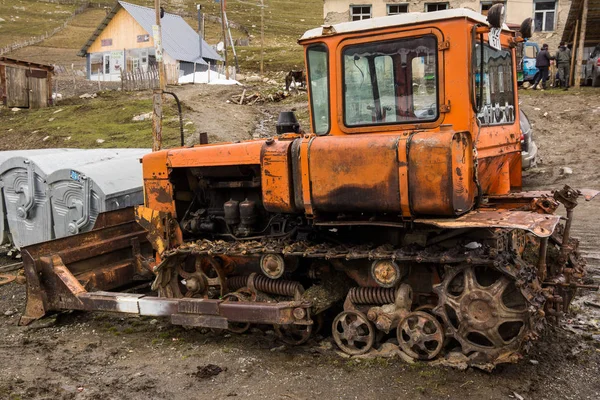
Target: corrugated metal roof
592,32
180,41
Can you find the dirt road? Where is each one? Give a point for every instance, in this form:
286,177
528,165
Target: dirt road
99,356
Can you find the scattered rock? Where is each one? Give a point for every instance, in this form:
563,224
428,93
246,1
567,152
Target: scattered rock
534,362
565,171
518,396
46,138
265,80
208,371
142,117
272,82
537,109
326,344
15,109
545,114
100,141
8,313
50,119
253,78
342,354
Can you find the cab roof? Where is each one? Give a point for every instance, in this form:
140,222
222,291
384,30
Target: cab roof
394,20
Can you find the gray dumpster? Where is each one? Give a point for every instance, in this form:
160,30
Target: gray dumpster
28,210
78,195
5,155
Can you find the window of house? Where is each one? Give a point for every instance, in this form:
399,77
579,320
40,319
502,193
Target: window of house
486,5
430,7
544,15
393,9
390,82
358,13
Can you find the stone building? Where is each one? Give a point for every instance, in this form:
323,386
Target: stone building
549,15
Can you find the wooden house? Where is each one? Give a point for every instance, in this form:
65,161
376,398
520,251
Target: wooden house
25,84
124,42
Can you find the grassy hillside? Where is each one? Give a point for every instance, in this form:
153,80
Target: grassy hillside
24,19
285,22
80,123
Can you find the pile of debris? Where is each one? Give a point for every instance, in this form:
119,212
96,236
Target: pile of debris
257,97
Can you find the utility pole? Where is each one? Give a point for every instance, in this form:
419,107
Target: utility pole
224,37
584,13
157,96
262,37
199,7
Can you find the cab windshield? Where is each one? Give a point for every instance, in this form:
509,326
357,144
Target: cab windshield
390,82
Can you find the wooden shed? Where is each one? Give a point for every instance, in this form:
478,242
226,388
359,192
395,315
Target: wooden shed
25,84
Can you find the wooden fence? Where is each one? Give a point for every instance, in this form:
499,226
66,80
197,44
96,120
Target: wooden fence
41,38
142,80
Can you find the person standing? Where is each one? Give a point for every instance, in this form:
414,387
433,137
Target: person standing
563,62
542,63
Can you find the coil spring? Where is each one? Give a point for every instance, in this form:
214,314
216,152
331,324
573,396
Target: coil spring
276,286
371,295
237,282
262,283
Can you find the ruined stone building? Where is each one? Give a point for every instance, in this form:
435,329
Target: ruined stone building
549,15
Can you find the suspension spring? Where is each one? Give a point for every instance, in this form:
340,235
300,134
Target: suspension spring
371,295
262,283
278,286
237,282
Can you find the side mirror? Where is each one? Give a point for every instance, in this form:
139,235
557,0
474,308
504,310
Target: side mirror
495,15
527,28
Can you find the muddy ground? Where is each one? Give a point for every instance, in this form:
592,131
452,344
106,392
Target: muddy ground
101,356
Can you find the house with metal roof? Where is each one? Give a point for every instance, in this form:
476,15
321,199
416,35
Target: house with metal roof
124,42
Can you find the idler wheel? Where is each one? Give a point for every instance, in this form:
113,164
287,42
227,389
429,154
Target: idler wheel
353,332
420,335
293,334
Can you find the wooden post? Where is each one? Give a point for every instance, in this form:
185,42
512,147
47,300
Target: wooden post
224,37
158,93
581,43
571,76
262,37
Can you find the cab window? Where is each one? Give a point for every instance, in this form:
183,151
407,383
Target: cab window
496,99
318,77
390,82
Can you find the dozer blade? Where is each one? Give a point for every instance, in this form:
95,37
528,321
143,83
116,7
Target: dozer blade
109,257
86,272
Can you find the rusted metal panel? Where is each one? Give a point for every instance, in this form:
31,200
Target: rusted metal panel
541,225
206,321
355,173
276,178
441,173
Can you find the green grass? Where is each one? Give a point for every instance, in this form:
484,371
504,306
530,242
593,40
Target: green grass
81,122
24,19
77,31
285,22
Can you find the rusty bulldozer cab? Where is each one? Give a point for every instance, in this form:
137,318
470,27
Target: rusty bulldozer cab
399,212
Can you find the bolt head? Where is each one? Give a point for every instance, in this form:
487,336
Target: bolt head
299,313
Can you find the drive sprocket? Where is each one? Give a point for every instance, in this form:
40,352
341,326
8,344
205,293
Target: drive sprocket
489,311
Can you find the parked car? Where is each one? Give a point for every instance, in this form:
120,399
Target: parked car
528,147
592,68
526,68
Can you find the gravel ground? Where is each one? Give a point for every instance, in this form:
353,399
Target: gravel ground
100,356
